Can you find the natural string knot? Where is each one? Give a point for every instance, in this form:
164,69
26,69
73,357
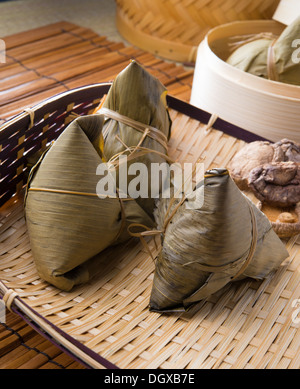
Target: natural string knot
31,115
271,63
208,127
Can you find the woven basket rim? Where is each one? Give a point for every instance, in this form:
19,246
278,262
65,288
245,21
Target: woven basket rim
52,99
183,49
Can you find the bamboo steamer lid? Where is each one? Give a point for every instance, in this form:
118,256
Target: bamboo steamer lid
267,108
173,29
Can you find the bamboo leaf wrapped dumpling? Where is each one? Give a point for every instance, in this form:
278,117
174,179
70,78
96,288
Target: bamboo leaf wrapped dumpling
136,102
68,224
207,246
271,59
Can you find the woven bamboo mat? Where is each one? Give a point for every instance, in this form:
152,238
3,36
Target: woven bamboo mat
52,59
21,347
40,63
174,29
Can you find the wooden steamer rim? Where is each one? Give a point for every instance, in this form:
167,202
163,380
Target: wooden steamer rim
267,108
107,323
171,50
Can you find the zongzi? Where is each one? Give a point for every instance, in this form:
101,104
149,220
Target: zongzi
206,247
271,58
249,157
137,124
68,221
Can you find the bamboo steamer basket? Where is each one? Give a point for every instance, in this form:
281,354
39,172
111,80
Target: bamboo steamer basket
267,108
283,230
106,322
173,29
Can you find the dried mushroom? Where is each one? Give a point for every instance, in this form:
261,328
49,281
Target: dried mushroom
286,217
270,170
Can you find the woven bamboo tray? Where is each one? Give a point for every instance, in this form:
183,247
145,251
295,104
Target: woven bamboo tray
39,64
106,323
173,29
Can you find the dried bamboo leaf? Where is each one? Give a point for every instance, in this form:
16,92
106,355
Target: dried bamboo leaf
254,57
137,95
